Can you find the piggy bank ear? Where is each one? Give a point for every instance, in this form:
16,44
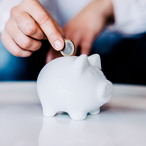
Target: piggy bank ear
94,60
80,64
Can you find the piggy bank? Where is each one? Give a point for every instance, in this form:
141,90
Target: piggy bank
75,85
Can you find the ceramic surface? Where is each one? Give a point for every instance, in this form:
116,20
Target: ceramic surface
122,121
75,85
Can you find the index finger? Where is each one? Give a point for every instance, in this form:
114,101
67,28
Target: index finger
46,23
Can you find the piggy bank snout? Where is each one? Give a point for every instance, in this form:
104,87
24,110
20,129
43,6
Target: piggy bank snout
108,89
105,89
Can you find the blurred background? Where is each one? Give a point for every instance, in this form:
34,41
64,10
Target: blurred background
123,59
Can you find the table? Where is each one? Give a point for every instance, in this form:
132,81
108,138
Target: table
122,121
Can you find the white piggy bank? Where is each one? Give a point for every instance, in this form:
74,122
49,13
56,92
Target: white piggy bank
75,85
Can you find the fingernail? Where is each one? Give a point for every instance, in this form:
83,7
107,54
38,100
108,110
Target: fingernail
58,45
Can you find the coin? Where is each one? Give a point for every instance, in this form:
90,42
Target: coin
69,48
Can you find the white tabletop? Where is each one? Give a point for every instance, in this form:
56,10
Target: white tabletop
122,122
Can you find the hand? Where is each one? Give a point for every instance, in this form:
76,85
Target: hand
28,24
88,24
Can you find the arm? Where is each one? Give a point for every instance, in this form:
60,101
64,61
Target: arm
129,17
86,26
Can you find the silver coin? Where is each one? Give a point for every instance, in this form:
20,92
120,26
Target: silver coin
69,48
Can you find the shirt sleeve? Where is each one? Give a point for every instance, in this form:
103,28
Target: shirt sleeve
130,16
5,7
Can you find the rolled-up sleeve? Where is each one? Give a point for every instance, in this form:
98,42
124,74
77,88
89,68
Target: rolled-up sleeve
130,16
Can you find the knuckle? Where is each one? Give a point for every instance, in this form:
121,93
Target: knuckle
17,52
36,46
53,34
30,29
20,53
43,18
39,44
26,54
25,43
13,11
40,35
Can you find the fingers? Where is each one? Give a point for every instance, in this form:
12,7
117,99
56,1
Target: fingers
12,46
46,23
21,39
80,38
17,42
28,26
29,23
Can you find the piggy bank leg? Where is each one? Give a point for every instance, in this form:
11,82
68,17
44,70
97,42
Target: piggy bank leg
95,112
78,115
49,112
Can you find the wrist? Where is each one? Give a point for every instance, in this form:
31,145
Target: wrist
106,10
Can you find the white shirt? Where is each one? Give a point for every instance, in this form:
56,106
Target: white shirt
61,10
130,15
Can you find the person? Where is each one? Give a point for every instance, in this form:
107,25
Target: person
32,21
